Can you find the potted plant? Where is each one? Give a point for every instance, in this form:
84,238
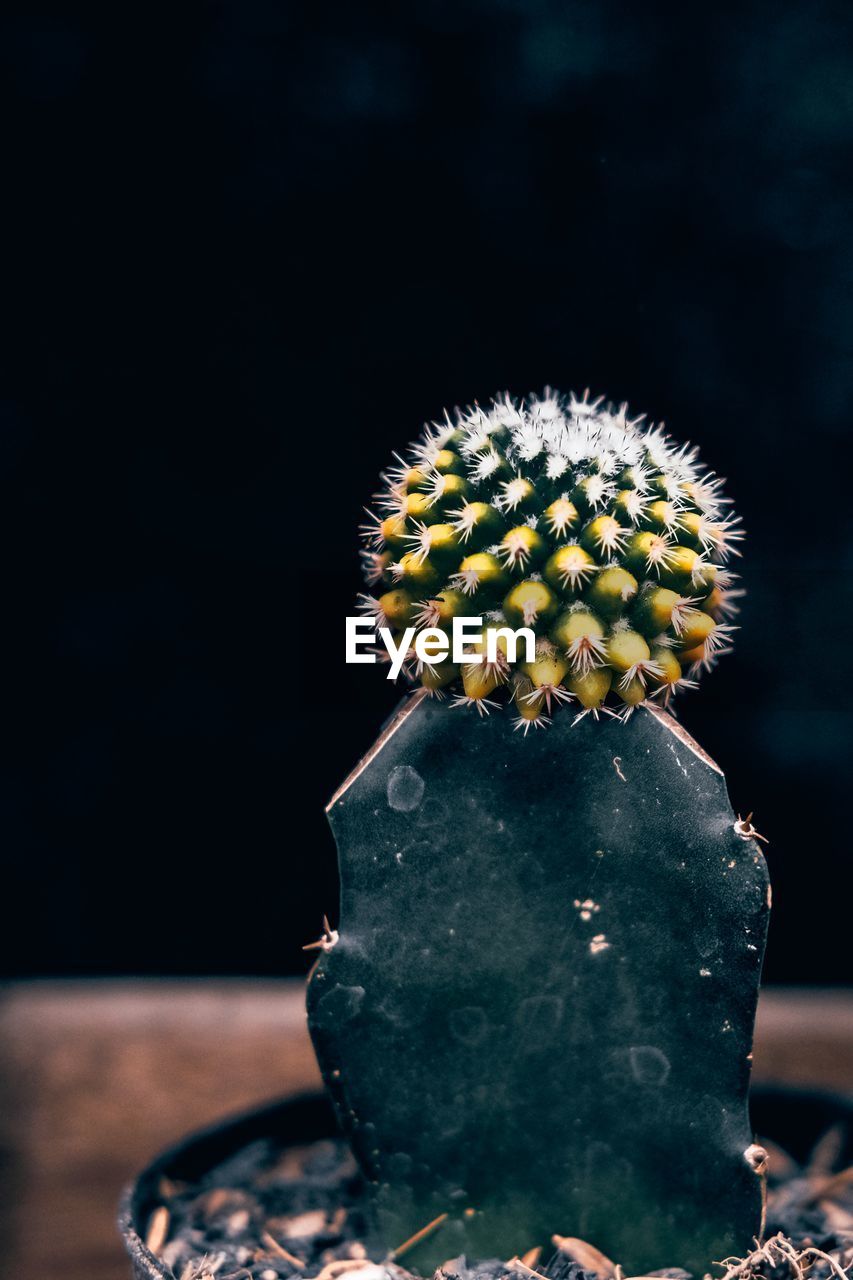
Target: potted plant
535,1019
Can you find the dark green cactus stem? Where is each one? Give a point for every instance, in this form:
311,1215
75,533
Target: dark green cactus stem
537,1016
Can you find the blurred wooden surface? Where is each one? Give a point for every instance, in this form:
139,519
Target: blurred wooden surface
96,1076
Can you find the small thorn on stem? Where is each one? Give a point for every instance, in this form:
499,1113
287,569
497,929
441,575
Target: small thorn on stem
330,938
757,1158
747,831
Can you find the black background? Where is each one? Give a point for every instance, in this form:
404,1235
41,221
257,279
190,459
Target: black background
251,247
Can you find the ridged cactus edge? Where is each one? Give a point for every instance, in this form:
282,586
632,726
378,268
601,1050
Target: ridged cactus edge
566,516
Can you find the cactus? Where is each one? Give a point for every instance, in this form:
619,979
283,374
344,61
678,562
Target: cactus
536,1016
566,516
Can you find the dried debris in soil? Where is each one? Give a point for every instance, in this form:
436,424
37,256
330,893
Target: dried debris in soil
273,1214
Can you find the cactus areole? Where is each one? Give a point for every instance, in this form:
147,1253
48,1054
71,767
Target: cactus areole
536,1016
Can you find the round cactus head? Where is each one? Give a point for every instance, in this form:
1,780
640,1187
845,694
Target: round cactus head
568,517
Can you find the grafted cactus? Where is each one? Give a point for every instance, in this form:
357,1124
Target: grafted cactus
568,517
535,1018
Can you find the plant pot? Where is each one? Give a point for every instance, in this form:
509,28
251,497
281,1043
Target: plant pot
794,1119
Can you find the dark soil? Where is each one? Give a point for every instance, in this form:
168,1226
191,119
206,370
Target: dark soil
275,1214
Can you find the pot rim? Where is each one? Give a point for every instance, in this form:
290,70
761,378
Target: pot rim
307,1113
